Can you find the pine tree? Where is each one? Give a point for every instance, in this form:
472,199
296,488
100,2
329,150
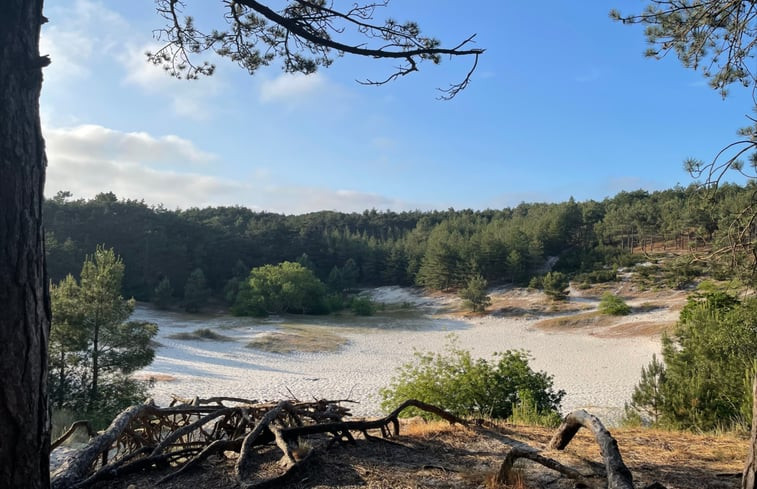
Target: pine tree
475,295
163,294
196,291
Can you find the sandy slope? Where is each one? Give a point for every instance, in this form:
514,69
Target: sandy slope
596,372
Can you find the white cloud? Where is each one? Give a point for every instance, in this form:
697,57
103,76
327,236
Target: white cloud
95,142
189,98
289,87
298,90
76,35
90,159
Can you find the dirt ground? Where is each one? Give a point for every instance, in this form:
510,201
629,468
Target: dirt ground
436,455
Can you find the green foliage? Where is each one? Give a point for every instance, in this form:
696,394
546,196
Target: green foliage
286,287
438,249
613,305
707,359
362,306
163,294
465,386
196,292
526,412
93,346
647,397
555,285
474,294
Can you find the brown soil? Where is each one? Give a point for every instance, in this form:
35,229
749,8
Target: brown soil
436,455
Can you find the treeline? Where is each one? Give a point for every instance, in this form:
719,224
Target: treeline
437,249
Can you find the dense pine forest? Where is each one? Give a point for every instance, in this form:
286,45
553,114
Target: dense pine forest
435,249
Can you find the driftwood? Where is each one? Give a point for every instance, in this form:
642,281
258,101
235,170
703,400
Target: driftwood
618,475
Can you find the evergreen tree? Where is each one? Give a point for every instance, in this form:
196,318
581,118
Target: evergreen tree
95,346
196,291
475,295
163,294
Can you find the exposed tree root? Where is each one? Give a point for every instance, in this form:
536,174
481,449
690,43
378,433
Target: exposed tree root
180,437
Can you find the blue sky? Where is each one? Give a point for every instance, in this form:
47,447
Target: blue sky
562,104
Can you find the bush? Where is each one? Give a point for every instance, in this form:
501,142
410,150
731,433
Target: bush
454,381
363,306
556,285
613,305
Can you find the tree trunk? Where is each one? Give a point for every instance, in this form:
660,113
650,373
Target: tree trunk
24,295
750,468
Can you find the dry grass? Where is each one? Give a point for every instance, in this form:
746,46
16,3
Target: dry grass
201,334
635,329
298,339
577,321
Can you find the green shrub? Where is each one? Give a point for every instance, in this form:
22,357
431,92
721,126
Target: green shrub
454,381
556,285
363,306
613,305
526,412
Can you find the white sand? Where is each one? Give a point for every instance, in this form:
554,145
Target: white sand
596,373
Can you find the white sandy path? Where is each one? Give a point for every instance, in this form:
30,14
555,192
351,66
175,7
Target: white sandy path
597,373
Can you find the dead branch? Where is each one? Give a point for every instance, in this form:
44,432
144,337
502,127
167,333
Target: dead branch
77,467
243,463
618,475
515,453
82,423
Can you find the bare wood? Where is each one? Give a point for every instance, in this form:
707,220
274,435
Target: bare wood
78,467
176,434
243,463
430,408
65,436
288,457
528,453
750,468
215,447
618,475
342,428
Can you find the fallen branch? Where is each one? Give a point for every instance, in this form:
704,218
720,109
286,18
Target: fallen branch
503,476
618,475
80,464
76,425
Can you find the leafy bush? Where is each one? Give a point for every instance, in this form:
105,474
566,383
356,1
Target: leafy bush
613,305
709,361
286,287
453,380
526,412
363,306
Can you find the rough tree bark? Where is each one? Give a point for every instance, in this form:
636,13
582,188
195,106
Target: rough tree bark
24,296
750,468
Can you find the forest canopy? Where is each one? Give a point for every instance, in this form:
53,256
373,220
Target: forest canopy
442,250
